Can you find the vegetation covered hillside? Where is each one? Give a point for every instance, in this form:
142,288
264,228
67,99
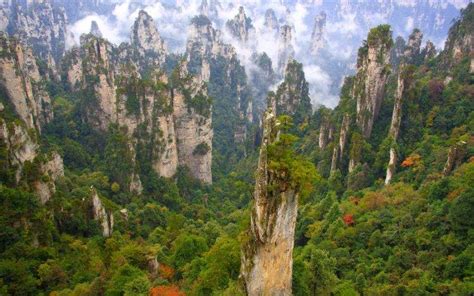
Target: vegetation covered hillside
105,186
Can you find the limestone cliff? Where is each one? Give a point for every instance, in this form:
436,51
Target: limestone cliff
271,23
317,36
460,41
411,53
95,30
241,26
51,170
166,115
192,117
99,213
43,28
395,123
267,255
21,83
292,96
147,43
338,152
286,51
373,69
217,64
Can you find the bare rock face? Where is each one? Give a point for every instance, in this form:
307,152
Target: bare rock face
286,51
101,214
267,255
99,77
172,116
429,51
455,155
292,97
146,41
373,69
20,79
338,152
395,124
240,26
214,60
193,125
20,144
95,30
317,37
210,9
42,27
460,41
51,171
271,23
412,49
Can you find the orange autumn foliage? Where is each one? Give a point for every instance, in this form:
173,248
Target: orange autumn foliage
166,271
411,160
166,291
348,219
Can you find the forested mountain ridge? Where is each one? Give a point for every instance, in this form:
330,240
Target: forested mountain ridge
109,183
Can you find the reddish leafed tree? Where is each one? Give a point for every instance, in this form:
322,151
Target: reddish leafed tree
411,160
348,219
166,271
166,291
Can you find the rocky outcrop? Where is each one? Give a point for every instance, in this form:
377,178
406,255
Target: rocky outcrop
429,51
104,217
170,116
317,37
267,255
411,53
51,170
42,27
193,125
292,97
147,43
20,145
338,152
99,81
395,124
460,41
20,81
373,69
95,30
396,53
216,62
286,51
241,26
456,153
210,9
271,23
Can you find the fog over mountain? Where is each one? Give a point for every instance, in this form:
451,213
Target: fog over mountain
342,31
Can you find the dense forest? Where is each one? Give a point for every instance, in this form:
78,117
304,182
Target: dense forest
123,202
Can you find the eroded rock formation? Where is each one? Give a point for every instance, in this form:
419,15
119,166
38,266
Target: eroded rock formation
267,255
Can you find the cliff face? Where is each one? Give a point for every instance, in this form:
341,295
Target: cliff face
286,51
99,213
292,96
43,28
20,80
193,126
171,116
338,152
25,109
373,69
147,43
271,23
241,26
460,41
267,256
317,37
216,63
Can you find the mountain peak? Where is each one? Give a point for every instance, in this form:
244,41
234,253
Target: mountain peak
95,29
147,40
